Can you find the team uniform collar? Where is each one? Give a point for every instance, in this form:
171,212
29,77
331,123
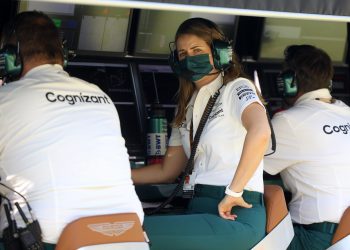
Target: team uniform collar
211,87
45,67
312,95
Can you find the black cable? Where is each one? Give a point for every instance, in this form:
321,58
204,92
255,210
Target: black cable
7,199
189,165
273,137
155,88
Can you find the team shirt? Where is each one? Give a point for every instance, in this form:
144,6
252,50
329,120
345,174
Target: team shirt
221,143
312,155
62,148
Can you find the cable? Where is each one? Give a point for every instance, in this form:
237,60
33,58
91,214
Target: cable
155,87
273,137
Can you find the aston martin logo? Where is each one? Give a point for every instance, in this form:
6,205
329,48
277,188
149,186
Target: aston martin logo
112,229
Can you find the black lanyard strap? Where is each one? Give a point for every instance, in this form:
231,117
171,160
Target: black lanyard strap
202,122
190,162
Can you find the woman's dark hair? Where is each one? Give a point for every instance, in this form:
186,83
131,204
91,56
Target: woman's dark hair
312,66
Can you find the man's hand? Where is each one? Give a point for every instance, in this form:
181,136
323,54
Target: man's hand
226,205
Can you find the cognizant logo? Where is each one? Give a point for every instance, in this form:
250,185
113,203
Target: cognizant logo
345,129
73,99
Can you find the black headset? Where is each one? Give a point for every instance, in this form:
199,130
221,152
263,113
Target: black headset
287,84
221,50
10,61
286,81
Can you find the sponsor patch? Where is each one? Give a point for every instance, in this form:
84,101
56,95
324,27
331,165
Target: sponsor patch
73,99
330,129
216,112
245,93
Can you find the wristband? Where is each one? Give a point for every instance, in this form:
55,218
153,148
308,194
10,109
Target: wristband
229,192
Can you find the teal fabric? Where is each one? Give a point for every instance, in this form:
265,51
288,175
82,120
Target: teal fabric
305,239
326,227
202,227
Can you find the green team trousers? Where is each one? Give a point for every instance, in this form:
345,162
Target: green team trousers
308,239
202,227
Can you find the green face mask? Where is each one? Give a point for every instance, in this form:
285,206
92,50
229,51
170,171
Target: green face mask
194,68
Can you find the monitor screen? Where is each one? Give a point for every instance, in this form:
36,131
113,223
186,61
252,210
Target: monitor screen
89,30
157,28
278,33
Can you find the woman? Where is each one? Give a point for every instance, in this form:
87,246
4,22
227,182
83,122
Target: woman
228,159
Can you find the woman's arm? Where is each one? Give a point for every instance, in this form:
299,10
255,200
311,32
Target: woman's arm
254,120
173,163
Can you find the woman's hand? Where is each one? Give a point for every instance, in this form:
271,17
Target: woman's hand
226,205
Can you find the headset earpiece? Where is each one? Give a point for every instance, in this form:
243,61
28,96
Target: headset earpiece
287,85
10,61
222,54
174,61
66,53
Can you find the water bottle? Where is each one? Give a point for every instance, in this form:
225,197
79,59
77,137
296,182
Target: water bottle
157,135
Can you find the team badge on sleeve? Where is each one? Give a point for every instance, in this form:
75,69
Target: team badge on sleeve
245,93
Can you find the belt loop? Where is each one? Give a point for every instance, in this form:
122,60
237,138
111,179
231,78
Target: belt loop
332,228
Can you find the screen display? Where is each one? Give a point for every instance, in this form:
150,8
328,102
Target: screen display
278,33
89,30
103,28
156,29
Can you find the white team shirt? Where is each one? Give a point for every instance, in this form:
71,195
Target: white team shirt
221,143
62,148
312,154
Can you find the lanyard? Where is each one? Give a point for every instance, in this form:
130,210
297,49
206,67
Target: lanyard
194,144
191,133
202,122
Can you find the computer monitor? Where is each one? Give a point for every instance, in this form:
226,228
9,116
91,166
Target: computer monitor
278,33
157,28
89,30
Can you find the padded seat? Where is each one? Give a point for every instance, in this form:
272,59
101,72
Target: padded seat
107,232
341,237
279,227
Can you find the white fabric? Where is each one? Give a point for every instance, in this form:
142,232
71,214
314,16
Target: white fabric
61,147
220,145
313,142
